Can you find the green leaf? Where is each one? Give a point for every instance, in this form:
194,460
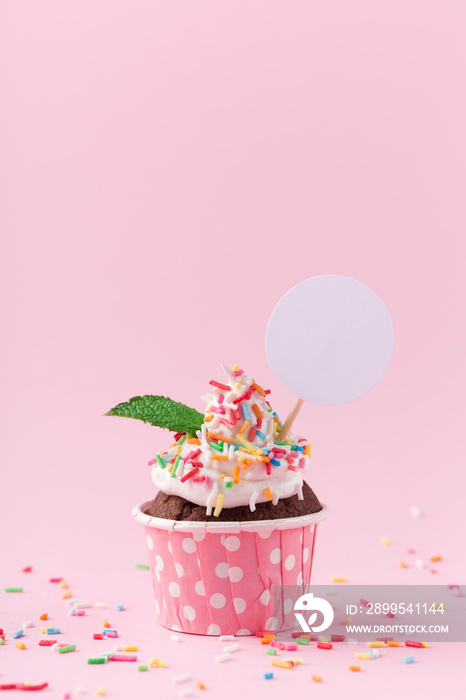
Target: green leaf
161,411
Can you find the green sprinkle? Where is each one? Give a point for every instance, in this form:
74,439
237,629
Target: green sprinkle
271,651
181,440
269,410
143,668
216,446
160,462
65,650
142,566
301,640
175,467
2,641
97,660
228,484
281,443
13,590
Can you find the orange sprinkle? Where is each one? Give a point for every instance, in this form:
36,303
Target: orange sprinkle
257,411
394,644
170,467
20,645
268,493
354,668
174,445
106,623
436,558
220,458
200,685
236,475
214,436
402,564
317,679
63,584
244,427
258,388
44,616
265,640
207,419
248,461
66,594
192,441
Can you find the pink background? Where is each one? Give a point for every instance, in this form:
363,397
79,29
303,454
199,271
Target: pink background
169,171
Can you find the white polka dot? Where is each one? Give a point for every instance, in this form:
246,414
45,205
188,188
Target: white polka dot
305,554
199,588
290,561
157,573
174,589
164,604
175,628
243,632
288,605
159,562
222,569
217,600
157,607
189,545
271,623
301,537
236,574
275,556
299,580
189,612
264,534
232,543
265,597
240,605
199,535
169,547
150,542
213,629
179,569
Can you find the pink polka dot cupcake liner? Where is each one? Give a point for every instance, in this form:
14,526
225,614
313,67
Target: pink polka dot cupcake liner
218,578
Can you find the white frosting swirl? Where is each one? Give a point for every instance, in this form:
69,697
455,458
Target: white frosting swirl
234,458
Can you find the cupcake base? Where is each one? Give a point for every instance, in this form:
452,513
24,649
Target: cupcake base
177,508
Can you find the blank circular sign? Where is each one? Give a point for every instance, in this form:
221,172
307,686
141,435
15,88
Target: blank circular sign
329,339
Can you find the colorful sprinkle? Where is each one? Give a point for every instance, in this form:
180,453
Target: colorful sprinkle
218,505
13,590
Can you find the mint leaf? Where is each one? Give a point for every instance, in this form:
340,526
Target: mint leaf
160,411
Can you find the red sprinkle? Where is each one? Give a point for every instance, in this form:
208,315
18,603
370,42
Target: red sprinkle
323,645
268,468
390,615
27,569
267,391
259,424
418,645
199,478
364,602
177,436
225,422
47,642
219,385
22,686
56,580
98,636
337,638
252,433
187,476
280,645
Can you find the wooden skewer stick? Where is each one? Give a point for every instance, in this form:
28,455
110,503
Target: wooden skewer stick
283,434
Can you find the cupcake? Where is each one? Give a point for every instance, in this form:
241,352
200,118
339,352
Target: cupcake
233,516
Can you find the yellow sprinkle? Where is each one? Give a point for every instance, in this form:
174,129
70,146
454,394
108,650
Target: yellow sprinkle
259,452
379,645
178,450
338,579
63,584
42,630
237,386
220,458
436,558
245,443
200,685
236,475
360,655
170,467
153,662
20,645
133,647
384,541
268,493
348,621
161,664
244,427
235,368
317,679
323,639
218,505
99,691
354,668
425,645
281,664
66,594
402,564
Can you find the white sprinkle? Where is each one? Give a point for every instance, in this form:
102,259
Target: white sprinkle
119,647
186,693
99,605
174,638
419,563
80,690
223,657
72,601
72,611
81,606
227,637
375,653
231,648
182,678
27,624
352,641
415,511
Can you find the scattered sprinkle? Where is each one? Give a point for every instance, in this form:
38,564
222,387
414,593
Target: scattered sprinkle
182,678
408,659
142,566
354,668
13,590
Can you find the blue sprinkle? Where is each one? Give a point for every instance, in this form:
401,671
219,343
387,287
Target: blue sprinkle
245,411
53,630
106,631
261,434
267,676
298,447
265,452
18,634
408,659
121,606
72,611
275,462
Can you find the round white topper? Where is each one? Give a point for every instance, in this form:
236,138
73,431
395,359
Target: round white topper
329,339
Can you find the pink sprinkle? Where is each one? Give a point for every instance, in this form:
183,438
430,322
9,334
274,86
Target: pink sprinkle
122,657
192,455
79,613
301,463
290,459
228,425
410,550
198,478
206,483
196,464
291,647
238,413
293,467
237,372
114,635
220,398
273,643
153,461
56,580
231,415
279,453
214,409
